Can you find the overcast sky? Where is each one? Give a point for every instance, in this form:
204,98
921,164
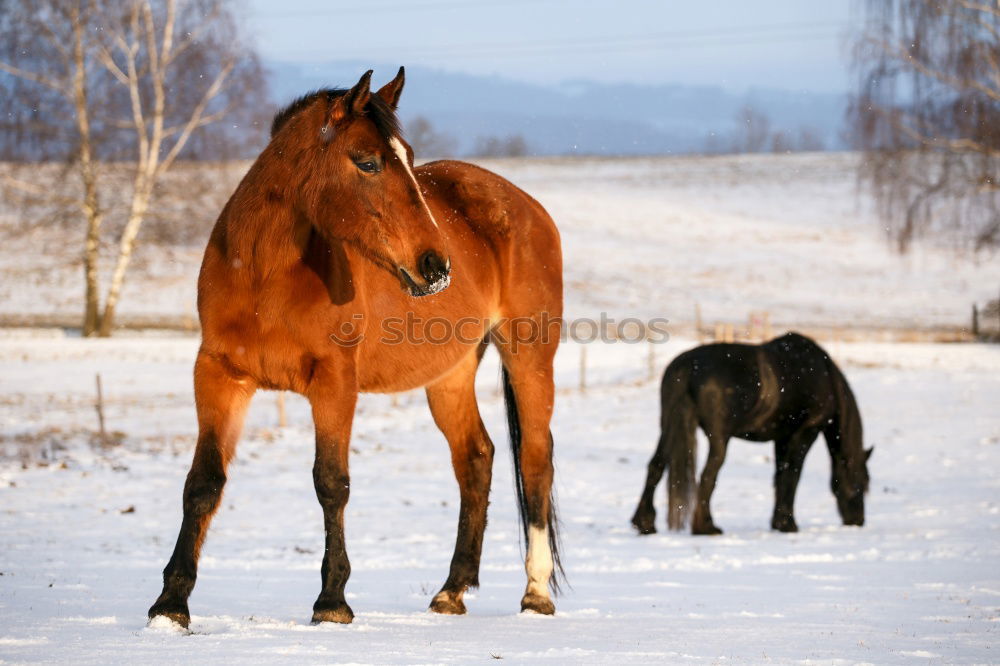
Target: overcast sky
792,44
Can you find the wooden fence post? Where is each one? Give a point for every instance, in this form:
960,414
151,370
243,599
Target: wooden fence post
282,420
99,406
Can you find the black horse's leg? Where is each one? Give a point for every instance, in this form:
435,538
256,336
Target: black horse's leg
702,522
452,400
790,453
644,518
221,400
333,395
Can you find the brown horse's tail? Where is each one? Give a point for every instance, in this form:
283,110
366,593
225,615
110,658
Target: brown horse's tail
677,433
514,429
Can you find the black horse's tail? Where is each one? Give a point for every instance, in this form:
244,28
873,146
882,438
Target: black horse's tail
678,423
847,431
514,429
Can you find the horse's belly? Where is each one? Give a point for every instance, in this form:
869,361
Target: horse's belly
390,368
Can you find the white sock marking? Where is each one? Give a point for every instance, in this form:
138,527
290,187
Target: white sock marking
538,562
400,150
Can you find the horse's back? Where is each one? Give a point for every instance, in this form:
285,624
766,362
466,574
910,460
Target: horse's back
801,363
729,363
724,381
807,375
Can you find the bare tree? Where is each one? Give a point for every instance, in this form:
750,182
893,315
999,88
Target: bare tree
810,140
495,146
927,114
781,142
139,78
753,133
427,141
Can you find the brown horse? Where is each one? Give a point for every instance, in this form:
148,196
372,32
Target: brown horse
328,273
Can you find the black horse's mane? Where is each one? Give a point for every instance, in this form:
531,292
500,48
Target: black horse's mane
377,110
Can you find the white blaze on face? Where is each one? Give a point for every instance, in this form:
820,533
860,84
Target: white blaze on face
538,563
400,150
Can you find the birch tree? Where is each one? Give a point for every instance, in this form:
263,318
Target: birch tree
150,74
926,113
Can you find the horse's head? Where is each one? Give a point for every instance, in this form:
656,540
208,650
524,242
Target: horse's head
850,484
356,180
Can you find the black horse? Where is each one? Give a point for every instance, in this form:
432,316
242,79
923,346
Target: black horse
787,390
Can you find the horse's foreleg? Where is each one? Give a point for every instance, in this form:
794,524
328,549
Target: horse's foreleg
453,404
702,522
789,456
644,518
333,394
221,398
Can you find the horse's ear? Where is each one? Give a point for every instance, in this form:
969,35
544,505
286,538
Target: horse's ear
868,453
354,100
391,91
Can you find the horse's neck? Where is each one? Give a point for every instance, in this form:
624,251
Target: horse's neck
263,232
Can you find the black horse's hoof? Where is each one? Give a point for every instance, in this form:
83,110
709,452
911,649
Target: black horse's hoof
340,613
706,530
644,525
177,612
534,603
447,603
784,525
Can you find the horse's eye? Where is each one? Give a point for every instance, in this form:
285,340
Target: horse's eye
368,166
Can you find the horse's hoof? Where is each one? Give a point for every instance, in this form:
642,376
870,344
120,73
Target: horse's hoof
706,530
340,613
644,526
175,612
787,525
447,604
534,603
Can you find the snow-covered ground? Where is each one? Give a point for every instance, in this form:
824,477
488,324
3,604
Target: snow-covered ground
642,237
86,529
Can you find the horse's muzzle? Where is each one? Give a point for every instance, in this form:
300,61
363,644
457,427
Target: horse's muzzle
436,274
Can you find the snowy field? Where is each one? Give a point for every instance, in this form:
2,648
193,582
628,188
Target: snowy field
642,237
85,529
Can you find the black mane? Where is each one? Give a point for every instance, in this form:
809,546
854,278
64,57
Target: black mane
377,109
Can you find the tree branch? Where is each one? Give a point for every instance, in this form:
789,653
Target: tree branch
109,64
196,114
35,77
953,82
32,188
979,7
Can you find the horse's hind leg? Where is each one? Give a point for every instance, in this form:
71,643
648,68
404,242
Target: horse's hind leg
221,398
789,456
702,522
532,382
644,518
452,400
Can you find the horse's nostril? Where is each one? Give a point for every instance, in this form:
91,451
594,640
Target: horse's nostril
432,266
